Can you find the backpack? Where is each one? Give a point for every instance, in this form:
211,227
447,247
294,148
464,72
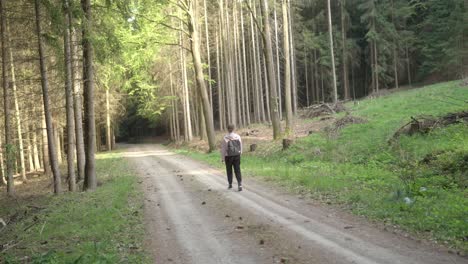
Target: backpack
233,148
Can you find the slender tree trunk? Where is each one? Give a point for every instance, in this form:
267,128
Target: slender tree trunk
47,112
293,62
29,149
77,104
69,100
306,74
332,53
108,122
187,118
17,110
287,71
316,77
6,104
408,67
58,144
245,83
219,84
37,163
270,70
345,52
208,55
376,61
2,166
395,54
208,113
256,99
278,68
266,99
90,182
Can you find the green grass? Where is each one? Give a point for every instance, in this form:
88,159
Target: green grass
361,171
104,226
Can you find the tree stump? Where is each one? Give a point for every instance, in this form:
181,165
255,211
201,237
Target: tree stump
287,143
253,147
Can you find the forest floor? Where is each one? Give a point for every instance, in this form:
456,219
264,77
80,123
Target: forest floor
104,226
191,217
416,184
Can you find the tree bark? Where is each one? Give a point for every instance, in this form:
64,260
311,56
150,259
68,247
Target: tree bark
332,53
244,60
270,70
6,104
90,182
108,122
45,97
77,105
69,100
2,167
278,68
195,44
287,71
345,52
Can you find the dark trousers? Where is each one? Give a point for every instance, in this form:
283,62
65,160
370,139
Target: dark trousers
233,161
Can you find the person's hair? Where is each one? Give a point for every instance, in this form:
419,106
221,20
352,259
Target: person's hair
230,128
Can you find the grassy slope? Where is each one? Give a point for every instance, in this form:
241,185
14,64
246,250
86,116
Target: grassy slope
104,226
360,170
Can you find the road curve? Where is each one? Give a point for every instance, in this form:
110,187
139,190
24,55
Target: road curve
191,217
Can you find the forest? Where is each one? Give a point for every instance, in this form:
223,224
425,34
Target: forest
80,77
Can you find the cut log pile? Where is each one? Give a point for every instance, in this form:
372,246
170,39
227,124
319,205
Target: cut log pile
343,122
424,124
323,110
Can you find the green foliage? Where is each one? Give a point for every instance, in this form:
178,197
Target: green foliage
104,226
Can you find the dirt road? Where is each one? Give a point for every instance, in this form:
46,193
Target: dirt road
192,218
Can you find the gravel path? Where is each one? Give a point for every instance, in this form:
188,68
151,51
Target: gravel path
191,217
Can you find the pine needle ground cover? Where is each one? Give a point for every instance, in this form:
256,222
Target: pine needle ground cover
104,226
418,182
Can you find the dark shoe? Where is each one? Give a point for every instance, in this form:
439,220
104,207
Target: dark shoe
240,189
230,186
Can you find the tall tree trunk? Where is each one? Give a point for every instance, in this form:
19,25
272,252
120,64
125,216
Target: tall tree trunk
208,55
256,69
332,53
45,97
278,68
57,130
187,118
306,74
195,44
376,65
77,105
6,104
345,52
30,151
244,60
17,110
2,167
408,67
293,62
37,162
270,70
90,182
287,71
219,85
395,52
69,100
108,121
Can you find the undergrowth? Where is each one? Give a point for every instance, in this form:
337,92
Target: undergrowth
104,226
